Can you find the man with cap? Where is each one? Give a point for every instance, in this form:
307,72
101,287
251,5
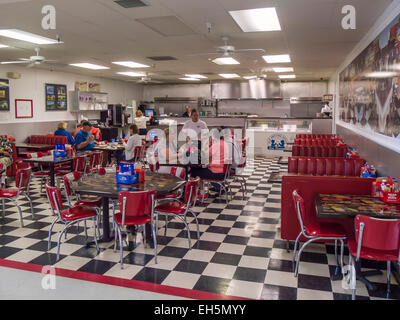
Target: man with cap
84,140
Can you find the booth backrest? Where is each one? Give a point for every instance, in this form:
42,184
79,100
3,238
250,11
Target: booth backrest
48,139
314,136
307,186
326,166
315,142
320,151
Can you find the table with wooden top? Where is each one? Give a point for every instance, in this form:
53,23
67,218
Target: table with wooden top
110,149
33,147
106,187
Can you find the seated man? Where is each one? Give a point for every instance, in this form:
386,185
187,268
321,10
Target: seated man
5,156
84,140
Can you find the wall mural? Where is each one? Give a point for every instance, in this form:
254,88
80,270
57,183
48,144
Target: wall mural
369,87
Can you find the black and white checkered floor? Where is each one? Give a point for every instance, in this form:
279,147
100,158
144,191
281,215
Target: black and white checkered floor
239,253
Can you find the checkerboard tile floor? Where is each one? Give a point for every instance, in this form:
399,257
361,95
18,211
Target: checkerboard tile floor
239,253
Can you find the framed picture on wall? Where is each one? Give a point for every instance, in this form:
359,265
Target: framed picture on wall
56,97
4,95
23,108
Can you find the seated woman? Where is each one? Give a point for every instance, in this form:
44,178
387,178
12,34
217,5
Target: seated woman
5,156
220,155
62,131
134,141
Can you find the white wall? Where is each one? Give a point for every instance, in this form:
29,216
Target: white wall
32,86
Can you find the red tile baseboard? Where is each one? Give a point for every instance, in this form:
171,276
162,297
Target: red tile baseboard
132,284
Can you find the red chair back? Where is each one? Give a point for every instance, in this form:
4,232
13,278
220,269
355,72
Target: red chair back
22,178
136,204
95,159
79,163
68,178
378,234
55,199
191,190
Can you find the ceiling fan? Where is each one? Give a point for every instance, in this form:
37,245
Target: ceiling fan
33,60
147,79
227,50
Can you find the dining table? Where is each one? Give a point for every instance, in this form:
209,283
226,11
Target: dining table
33,147
106,187
344,206
51,162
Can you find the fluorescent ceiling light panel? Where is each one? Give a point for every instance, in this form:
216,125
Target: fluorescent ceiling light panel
229,75
132,74
26,36
287,76
249,77
131,64
89,66
3,46
381,74
257,20
225,60
197,76
278,70
189,79
280,58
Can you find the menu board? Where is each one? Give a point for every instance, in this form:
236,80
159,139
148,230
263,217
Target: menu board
4,95
56,97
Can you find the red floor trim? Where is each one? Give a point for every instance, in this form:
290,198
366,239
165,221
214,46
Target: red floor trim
132,284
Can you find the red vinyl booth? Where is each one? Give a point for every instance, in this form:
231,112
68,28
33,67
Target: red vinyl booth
319,151
48,139
314,136
307,186
325,166
315,142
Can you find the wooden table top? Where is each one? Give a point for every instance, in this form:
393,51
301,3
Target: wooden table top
345,206
107,186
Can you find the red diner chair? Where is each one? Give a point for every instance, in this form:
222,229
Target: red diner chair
177,172
375,239
22,180
180,209
137,208
69,216
95,161
315,231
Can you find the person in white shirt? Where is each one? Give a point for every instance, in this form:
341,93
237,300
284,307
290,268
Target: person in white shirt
193,127
141,122
133,142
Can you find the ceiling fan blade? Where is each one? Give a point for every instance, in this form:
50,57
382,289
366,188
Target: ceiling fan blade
203,54
23,59
245,50
14,62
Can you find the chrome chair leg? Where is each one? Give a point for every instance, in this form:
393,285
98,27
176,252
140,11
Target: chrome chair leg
388,280
353,277
95,237
120,247
51,229
30,203
20,212
155,242
295,250
115,236
197,224
296,272
86,234
342,256
59,241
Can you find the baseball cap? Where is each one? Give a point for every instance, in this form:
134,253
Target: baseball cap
87,123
